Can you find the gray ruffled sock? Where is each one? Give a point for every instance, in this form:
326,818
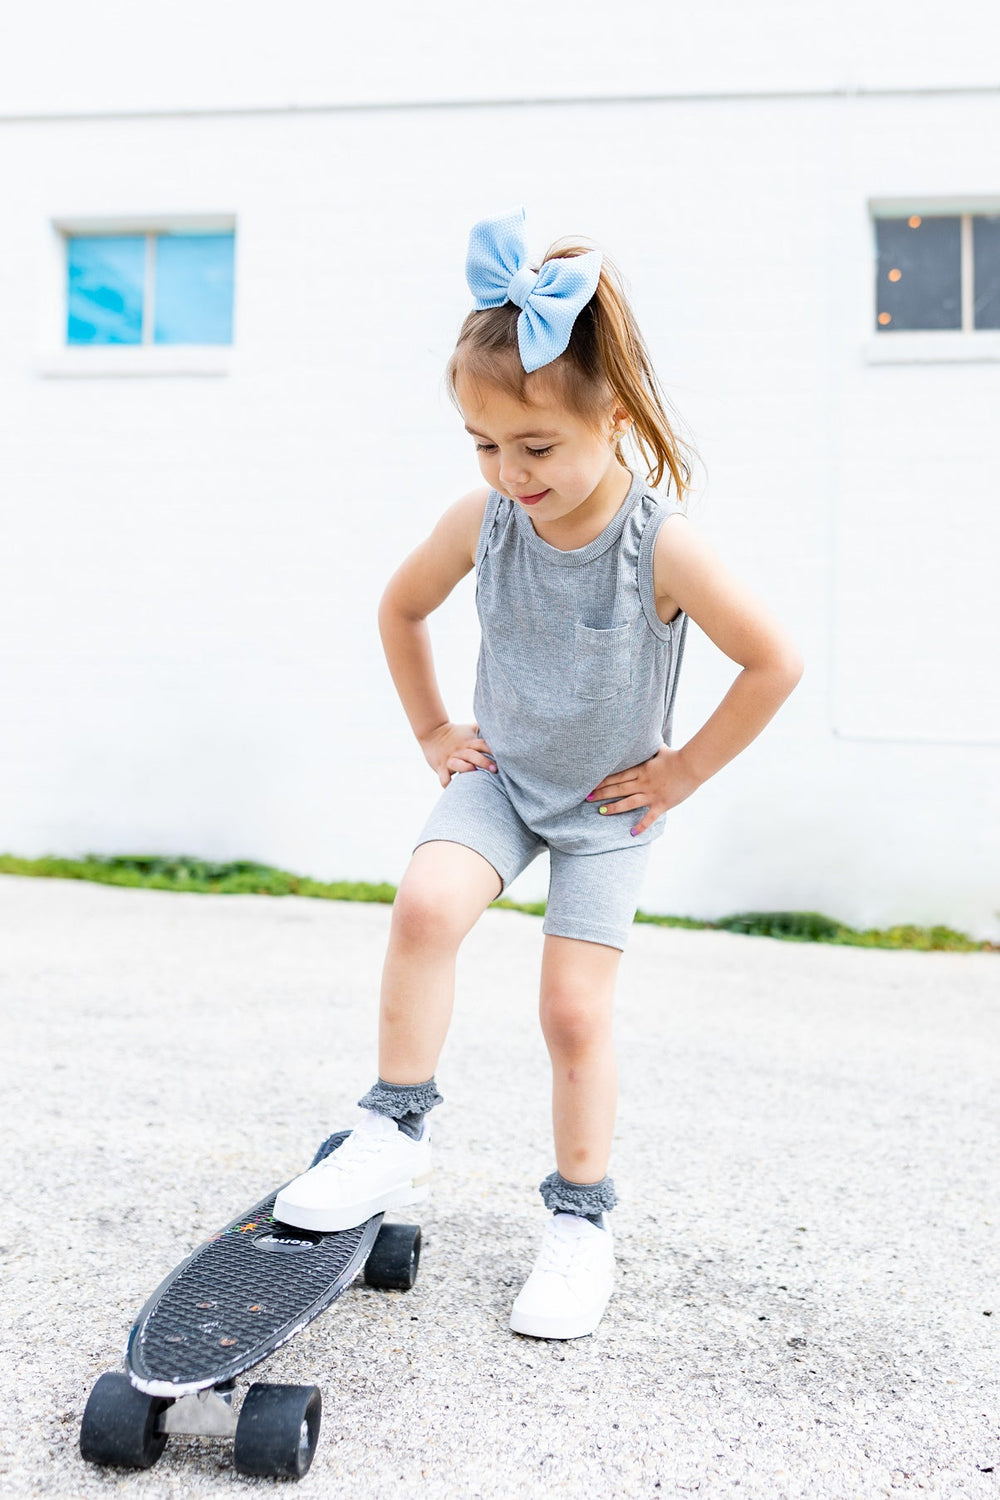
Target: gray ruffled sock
588,1200
406,1103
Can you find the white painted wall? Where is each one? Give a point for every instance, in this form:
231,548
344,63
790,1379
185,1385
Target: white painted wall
173,55
189,658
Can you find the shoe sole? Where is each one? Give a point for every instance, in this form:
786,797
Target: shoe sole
327,1220
555,1328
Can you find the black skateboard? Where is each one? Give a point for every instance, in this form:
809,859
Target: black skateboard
230,1304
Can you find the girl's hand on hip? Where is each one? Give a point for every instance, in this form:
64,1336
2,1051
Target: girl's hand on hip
656,784
453,748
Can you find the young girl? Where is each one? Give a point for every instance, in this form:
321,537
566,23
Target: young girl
583,591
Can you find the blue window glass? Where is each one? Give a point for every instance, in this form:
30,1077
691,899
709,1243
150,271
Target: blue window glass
194,289
106,278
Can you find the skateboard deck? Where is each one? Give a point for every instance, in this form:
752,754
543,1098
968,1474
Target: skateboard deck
228,1306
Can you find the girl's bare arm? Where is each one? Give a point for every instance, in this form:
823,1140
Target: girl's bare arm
419,585
686,569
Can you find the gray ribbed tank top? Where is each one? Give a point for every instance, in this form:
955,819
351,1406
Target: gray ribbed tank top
577,674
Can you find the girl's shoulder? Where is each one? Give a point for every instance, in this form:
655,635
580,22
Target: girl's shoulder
472,508
666,542
457,531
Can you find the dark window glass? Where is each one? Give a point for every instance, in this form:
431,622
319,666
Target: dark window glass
919,273
986,271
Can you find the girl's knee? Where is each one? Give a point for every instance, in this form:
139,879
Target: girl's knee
423,915
573,1022
577,993
445,889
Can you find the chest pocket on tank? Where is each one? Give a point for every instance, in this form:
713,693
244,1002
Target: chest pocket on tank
602,665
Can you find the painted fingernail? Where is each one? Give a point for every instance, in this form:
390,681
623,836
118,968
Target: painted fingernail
633,831
602,809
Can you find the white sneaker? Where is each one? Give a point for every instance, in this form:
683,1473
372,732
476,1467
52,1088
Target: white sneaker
570,1282
378,1166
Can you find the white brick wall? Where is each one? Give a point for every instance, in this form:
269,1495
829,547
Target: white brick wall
189,657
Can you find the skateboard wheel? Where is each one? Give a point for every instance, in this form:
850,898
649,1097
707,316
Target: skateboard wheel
119,1424
395,1256
278,1430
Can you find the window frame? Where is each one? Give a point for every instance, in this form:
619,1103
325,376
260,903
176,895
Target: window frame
931,345
59,358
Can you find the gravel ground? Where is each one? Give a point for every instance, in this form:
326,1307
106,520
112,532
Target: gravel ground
807,1299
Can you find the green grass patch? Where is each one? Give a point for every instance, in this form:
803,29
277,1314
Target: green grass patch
243,877
814,927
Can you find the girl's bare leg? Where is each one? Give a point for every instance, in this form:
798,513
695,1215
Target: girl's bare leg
442,895
576,1001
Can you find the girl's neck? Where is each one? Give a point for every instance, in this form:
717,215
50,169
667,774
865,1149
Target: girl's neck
585,524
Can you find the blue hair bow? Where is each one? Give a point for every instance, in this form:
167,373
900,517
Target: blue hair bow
498,271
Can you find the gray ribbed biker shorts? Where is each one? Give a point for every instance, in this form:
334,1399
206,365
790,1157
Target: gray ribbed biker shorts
591,896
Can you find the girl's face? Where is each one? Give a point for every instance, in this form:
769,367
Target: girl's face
543,456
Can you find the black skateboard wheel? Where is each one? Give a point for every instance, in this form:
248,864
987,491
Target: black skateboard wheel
277,1430
119,1424
395,1256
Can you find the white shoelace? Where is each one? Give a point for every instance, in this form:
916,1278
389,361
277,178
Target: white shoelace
357,1147
560,1253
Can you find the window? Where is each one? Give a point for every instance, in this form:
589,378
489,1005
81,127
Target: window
163,287
938,272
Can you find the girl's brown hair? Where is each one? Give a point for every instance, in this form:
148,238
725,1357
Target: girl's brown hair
605,362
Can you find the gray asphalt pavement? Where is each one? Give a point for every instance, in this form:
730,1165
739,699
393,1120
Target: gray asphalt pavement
808,1299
